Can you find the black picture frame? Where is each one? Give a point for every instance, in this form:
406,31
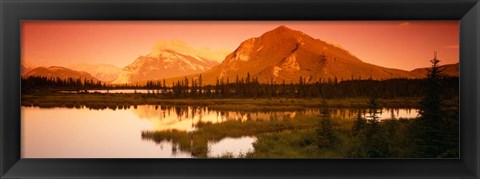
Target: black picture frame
12,12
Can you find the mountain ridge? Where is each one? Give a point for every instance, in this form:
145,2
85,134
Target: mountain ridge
102,72
165,62
449,70
27,66
60,72
283,54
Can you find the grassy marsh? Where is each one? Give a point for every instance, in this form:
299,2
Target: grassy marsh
99,101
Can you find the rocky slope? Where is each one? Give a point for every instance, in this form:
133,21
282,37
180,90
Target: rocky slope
169,59
283,54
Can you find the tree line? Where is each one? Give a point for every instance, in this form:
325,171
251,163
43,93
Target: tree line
251,88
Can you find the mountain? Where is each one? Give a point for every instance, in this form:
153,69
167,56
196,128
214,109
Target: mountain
452,70
61,72
169,59
183,48
283,54
27,66
103,72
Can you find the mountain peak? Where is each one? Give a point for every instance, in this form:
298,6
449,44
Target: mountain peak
282,28
57,68
174,44
170,58
182,47
284,31
284,54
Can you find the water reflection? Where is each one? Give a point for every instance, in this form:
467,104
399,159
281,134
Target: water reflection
231,146
83,132
184,118
114,91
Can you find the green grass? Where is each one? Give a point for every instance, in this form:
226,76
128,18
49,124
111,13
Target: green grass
296,138
297,133
196,142
303,144
103,101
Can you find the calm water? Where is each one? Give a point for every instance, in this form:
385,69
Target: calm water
89,133
116,91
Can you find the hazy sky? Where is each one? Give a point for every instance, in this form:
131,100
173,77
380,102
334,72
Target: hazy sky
396,44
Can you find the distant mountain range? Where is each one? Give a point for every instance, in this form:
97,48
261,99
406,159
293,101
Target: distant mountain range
446,70
281,54
60,72
27,66
102,72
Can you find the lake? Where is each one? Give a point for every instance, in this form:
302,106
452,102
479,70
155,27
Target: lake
91,133
114,91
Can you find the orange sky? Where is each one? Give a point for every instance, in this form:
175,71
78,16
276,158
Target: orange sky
396,44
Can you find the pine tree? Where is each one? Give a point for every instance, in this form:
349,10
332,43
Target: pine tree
432,138
359,124
325,135
376,143
373,109
430,109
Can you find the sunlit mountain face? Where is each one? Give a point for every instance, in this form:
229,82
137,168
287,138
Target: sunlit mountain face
169,59
286,55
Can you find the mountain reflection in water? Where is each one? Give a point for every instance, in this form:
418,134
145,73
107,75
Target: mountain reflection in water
91,133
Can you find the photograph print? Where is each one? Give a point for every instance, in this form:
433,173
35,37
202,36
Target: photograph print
240,89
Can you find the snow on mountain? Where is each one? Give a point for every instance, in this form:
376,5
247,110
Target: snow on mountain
103,72
183,48
169,59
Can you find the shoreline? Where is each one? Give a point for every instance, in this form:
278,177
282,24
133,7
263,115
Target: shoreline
95,100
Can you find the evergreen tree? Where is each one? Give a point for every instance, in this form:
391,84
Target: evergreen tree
373,109
325,135
376,143
359,124
436,137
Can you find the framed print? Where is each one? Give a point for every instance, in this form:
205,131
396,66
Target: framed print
239,89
